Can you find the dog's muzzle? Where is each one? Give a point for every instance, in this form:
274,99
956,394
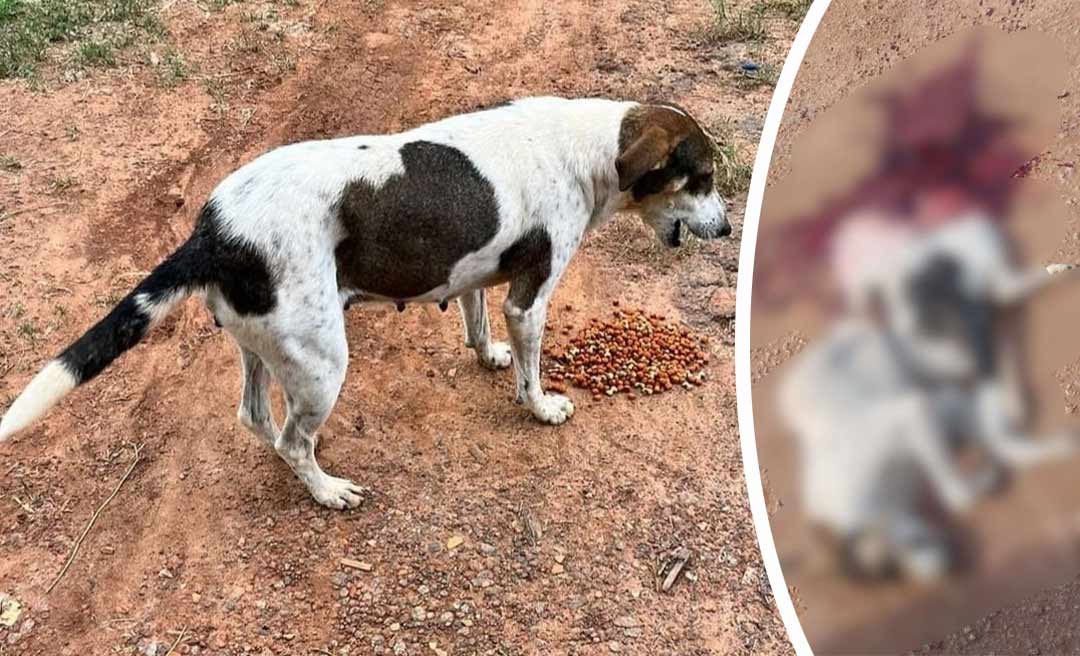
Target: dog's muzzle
709,219
712,231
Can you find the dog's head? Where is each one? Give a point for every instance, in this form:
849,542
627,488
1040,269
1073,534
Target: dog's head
666,164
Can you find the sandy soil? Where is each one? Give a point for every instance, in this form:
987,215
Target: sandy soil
212,534
859,40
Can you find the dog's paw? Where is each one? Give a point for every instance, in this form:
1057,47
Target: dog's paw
925,563
553,409
497,356
338,493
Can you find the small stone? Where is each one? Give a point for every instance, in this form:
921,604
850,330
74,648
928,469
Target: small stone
557,569
419,614
626,622
10,610
614,646
487,549
455,542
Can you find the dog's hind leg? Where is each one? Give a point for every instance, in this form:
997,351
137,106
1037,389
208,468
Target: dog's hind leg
493,355
254,412
922,552
311,368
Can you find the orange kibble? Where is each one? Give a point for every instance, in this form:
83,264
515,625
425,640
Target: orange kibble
633,352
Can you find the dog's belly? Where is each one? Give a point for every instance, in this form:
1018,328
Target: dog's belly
408,275
404,238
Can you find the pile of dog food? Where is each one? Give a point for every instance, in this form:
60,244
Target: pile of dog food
633,352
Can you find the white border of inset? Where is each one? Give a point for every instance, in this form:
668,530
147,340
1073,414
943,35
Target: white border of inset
742,326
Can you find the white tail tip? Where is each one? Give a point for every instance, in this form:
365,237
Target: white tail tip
48,387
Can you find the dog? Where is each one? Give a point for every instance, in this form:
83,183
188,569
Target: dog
880,405
440,212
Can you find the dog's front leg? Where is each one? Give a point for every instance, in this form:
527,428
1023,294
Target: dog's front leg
1003,435
1012,287
493,355
526,328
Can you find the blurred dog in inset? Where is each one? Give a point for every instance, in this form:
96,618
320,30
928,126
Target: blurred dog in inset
915,369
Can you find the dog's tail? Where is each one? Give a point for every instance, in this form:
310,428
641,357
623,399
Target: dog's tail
150,302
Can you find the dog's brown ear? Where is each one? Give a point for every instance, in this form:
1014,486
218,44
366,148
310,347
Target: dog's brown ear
641,156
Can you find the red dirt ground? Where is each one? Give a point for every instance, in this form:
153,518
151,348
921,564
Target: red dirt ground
212,533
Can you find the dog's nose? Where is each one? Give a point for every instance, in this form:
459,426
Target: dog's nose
725,230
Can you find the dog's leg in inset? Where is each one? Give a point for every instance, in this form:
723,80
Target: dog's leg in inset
526,311
919,426
1013,287
493,355
1004,438
922,552
254,412
311,369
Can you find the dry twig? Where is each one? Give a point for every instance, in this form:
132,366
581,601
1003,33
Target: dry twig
94,517
180,637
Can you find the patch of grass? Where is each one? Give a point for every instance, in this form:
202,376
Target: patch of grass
29,27
8,163
27,330
173,69
792,9
62,183
282,63
219,95
96,53
218,5
733,172
745,25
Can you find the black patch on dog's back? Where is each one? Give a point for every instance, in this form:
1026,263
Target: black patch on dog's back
231,264
404,237
944,308
527,264
208,258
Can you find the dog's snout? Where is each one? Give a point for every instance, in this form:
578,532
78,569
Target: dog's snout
725,230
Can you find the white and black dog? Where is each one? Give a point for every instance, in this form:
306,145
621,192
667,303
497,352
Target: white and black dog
443,211
880,404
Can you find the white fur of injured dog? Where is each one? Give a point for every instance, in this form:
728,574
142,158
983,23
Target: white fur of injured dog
877,404
433,214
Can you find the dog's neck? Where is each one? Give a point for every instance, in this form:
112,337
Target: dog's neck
591,149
